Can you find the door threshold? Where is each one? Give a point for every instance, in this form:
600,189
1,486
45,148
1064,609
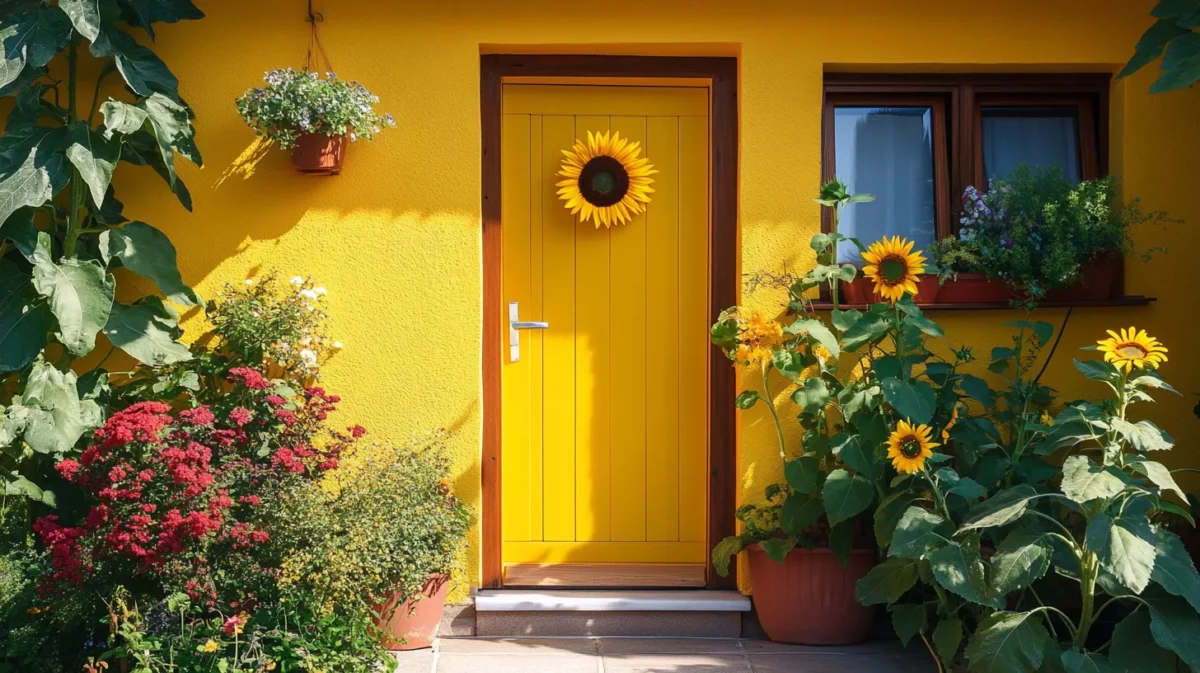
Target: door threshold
604,575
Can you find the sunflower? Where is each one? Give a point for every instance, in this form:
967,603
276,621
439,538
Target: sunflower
894,267
757,339
605,182
909,447
1133,348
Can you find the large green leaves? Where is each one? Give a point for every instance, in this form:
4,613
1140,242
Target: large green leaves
1075,661
817,330
95,157
24,322
85,16
1022,558
28,185
147,12
846,495
804,474
887,582
1083,480
724,551
1174,625
147,251
1143,435
1008,642
916,532
914,400
799,512
908,620
148,331
1134,650
1000,509
1125,548
81,296
144,72
1158,474
48,414
959,568
1173,568
859,453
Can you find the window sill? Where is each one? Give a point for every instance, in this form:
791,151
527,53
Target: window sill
1128,300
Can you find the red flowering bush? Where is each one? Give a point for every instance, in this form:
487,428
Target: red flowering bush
175,498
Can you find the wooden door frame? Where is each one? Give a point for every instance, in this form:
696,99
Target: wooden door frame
721,72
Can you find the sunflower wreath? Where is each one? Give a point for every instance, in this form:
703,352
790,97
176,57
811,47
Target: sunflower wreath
605,181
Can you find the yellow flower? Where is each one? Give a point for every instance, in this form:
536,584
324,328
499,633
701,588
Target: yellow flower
270,665
1046,419
909,447
605,181
950,424
894,267
1133,348
757,339
211,646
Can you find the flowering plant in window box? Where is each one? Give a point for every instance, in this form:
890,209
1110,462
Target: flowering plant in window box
1036,235
312,116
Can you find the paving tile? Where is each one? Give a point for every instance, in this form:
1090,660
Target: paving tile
415,661
836,663
518,663
616,646
676,663
505,646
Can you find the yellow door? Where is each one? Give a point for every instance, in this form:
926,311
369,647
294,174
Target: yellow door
605,411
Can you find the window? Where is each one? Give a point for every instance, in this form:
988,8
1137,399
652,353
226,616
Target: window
916,142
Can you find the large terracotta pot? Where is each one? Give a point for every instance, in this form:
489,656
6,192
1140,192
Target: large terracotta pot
974,288
809,598
1097,282
319,154
414,623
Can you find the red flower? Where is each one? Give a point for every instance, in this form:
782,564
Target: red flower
275,400
286,416
249,378
251,500
200,416
68,469
357,431
286,459
240,416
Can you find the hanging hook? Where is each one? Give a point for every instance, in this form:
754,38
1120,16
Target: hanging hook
314,17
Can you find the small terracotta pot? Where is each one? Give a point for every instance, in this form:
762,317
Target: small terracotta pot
973,288
414,624
318,154
1097,282
809,598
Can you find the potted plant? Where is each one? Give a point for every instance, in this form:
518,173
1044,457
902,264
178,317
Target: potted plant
312,116
1036,235
808,541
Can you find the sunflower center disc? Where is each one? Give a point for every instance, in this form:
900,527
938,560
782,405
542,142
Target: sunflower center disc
1132,351
603,181
910,447
893,270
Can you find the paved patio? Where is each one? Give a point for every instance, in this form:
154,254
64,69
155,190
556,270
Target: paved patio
658,655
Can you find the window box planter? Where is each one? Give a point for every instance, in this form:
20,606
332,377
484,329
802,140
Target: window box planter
861,290
973,288
319,154
1098,281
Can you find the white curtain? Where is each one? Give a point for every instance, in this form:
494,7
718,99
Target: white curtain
887,152
1010,140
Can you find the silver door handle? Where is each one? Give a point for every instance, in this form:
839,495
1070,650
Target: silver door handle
514,324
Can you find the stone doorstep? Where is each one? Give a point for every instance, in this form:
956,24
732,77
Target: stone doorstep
683,613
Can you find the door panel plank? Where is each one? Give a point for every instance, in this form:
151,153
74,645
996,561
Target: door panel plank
662,330
628,272
604,575
592,369
515,219
558,235
694,344
537,338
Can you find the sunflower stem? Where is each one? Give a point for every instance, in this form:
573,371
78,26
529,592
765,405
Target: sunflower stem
766,375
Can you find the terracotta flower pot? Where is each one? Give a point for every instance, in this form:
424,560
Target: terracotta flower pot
809,598
1097,281
414,623
319,154
973,288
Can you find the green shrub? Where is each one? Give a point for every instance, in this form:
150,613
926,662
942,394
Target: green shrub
294,103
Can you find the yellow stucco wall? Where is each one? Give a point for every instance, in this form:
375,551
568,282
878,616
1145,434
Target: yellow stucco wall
396,237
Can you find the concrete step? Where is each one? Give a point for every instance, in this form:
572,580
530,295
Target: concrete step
564,612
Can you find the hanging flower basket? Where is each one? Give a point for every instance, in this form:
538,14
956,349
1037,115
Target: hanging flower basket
318,154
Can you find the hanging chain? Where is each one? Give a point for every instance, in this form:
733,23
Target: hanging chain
315,48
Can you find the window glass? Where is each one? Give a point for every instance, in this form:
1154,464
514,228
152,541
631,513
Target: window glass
1039,136
888,152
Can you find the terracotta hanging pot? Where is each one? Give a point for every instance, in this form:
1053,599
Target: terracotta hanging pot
319,154
974,288
414,623
809,598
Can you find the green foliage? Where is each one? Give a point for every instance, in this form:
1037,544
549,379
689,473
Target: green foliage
1035,229
1174,32
62,232
294,103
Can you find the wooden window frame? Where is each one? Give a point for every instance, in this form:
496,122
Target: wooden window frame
963,97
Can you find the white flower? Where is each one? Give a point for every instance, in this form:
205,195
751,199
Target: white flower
297,280
309,358
337,345
306,341
249,282
321,291
310,294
